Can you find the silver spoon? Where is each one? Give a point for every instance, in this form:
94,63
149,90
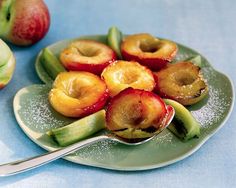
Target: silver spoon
33,162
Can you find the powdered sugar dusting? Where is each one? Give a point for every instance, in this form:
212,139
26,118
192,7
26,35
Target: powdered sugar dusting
37,114
166,138
217,104
98,150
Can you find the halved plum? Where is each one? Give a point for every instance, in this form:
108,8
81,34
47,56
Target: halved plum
123,74
182,82
77,94
149,51
87,55
135,113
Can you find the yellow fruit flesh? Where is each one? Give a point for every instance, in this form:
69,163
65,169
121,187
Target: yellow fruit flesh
183,82
86,52
135,113
73,91
146,46
123,74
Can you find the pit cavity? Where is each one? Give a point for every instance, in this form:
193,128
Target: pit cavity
149,47
128,77
77,89
87,53
184,79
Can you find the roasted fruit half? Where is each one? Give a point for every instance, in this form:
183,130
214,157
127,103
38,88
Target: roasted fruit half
77,94
87,55
135,114
182,82
149,51
123,74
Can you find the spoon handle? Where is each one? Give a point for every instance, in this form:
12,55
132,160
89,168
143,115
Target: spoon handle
33,162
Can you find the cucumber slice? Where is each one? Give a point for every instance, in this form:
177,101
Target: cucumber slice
196,60
184,125
51,64
79,129
114,39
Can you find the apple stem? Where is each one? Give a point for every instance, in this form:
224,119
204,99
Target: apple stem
8,15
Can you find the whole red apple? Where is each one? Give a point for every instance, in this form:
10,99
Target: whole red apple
23,22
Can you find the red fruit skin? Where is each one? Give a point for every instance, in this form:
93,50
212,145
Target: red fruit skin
93,68
157,89
30,22
154,64
102,100
2,86
137,92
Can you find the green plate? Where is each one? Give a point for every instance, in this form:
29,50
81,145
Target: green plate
36,117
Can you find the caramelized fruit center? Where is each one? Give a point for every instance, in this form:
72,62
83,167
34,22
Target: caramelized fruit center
128,77
136,117
184,78
77,91
87,52
150,47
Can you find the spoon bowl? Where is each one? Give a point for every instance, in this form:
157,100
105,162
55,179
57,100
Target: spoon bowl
169,117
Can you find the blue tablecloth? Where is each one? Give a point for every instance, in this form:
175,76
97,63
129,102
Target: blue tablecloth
207,26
